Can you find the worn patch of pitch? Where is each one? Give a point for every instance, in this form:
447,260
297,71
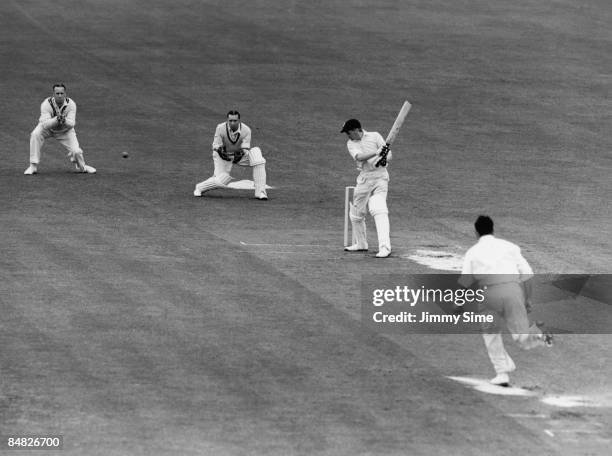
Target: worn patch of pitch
437,259
485,386
578,400
567,401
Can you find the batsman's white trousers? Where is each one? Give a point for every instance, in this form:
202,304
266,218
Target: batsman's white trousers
67,139
371,192
507,302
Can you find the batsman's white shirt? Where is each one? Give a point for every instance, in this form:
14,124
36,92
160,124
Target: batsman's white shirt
233,141
371,141
49,111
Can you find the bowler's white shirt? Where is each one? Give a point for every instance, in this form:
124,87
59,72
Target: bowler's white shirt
491,255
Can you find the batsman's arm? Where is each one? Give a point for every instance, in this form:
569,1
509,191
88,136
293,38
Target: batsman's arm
399,120
383,151
385,155
358,154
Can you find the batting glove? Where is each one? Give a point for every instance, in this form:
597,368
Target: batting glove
384,151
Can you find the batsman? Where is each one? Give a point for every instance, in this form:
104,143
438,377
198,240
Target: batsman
371,152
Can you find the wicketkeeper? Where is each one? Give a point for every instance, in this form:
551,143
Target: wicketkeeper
367,148
232,146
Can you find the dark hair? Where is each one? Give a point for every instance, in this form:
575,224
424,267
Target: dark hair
484,225
59,84
351,124
233,112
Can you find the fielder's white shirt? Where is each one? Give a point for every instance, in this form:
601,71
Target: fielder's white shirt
371,141
49,111
233,141
492,256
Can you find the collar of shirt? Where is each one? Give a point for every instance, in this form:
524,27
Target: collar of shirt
56,108
233,135
364,133
56,105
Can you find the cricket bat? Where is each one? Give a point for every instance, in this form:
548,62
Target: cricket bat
399,121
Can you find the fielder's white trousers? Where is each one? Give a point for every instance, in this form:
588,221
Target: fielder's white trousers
67,139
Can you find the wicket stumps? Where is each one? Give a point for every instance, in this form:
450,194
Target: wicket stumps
348,199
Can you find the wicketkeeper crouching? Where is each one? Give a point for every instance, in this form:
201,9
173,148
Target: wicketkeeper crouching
232,146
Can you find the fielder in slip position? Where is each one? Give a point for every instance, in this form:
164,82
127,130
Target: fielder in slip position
57,120
367,148
498,268
232,146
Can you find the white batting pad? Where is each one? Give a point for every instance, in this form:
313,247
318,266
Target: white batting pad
256,157
382,231
213,182
244,184
378,204
259,177
358,227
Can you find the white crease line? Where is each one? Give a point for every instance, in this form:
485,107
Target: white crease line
526,415
280,252
275,252
549,432
286,245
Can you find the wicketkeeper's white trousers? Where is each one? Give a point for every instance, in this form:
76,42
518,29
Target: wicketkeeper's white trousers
221,176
